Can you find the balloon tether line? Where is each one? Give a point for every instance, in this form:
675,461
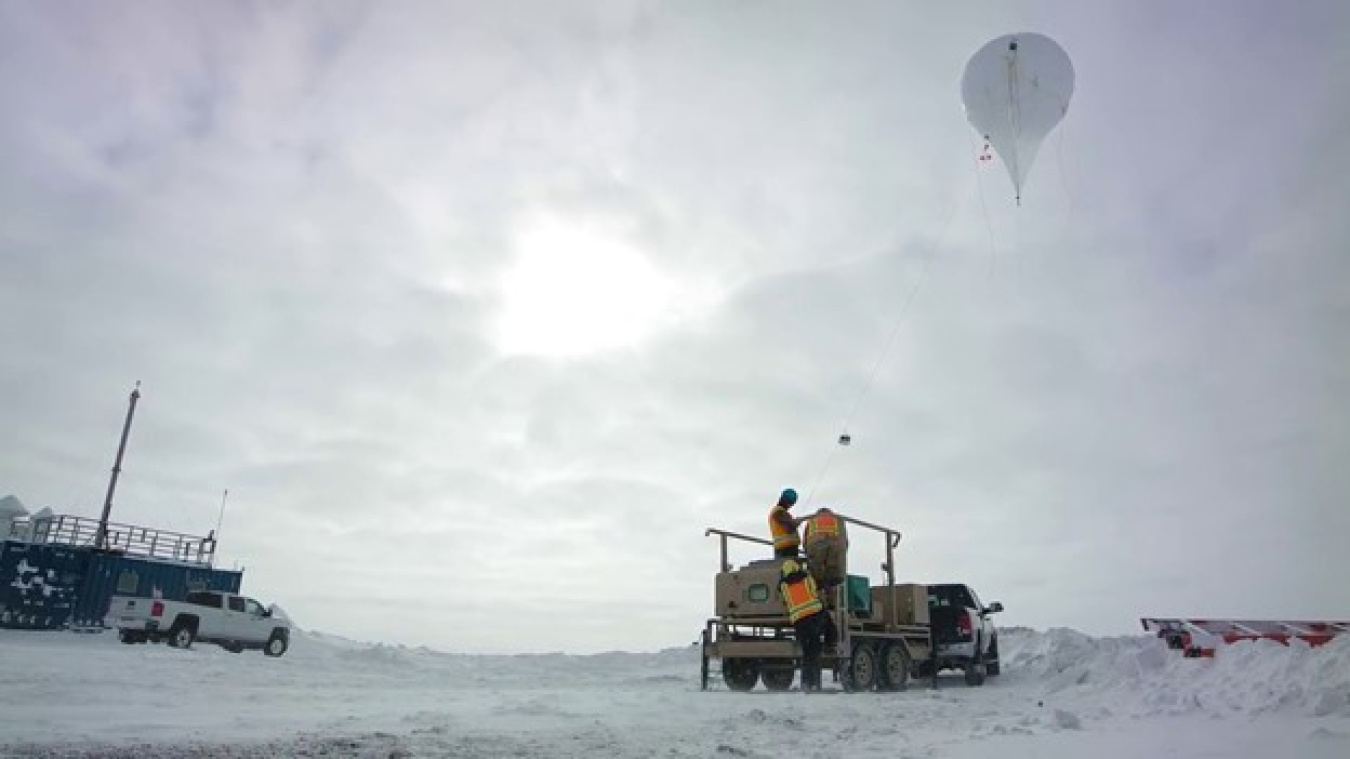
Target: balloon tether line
886,349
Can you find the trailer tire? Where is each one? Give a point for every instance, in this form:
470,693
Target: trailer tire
894,666
860,671
740,674
778,679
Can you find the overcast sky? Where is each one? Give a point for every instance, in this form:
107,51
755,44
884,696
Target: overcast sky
483,312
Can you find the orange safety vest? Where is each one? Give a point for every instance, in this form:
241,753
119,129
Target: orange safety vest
782,536
801,597
822,526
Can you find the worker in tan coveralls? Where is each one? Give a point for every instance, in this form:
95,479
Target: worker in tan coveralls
826,543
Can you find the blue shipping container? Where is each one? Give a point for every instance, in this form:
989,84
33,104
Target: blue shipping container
39,583
111,575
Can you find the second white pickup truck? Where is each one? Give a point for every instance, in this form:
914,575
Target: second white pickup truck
231,621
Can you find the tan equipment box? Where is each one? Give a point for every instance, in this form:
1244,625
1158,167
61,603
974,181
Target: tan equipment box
901,604
751,591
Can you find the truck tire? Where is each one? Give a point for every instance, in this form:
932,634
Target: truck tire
277,644
182,634
860,671
778,679
975,674
991,667
740,674
894,666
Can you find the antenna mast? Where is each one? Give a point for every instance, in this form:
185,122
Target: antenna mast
101,538
221,519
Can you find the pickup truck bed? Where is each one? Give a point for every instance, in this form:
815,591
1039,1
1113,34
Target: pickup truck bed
964,634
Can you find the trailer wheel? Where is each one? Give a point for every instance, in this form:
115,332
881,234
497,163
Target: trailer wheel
860,671
740,674
895,666
778,679
128,637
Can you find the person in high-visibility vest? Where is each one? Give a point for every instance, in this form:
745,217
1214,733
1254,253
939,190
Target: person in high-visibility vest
808,618
783,526
826,542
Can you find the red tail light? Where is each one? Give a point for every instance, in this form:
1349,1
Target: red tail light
157,609
963,624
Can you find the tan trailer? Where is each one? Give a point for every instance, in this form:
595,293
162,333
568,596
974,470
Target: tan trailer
883,631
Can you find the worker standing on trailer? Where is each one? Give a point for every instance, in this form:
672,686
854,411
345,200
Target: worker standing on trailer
826,543
808,618
783,526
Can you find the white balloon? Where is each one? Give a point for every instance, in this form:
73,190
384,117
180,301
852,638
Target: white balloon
1016,89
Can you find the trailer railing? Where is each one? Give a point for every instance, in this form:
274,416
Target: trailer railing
892,540
132,540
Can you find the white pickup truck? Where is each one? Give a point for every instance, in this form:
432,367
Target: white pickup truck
233,622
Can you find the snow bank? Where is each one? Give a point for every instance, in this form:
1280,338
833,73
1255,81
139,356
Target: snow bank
1063,669
1140,674
1061,694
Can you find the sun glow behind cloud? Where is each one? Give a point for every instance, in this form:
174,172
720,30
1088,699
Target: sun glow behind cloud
577,287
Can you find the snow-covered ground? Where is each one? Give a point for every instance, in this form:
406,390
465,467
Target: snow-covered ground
1062,694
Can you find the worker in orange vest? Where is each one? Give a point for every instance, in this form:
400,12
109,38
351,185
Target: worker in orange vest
826,551
783,526
808,618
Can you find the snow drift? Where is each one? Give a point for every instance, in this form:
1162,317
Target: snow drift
1141,675
1062,694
